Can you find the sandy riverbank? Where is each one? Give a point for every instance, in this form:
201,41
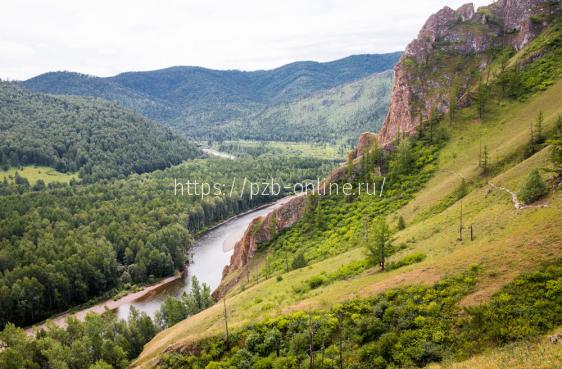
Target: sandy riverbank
111,304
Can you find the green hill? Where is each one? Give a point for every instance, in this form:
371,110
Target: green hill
454,286
93,137
456,260
188,97
338,114
507,243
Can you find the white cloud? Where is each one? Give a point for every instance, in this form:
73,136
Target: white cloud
106,37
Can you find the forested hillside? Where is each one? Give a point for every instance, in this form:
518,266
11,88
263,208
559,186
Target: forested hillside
458,256
436,243
95,138
191,97
331,116
63,246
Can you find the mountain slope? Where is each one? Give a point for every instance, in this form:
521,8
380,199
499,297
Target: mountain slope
333,115
507,241
441,67
186,97
96,138
441,168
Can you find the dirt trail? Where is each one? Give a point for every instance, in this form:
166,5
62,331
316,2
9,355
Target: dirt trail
518,204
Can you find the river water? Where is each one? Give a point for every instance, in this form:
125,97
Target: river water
210,254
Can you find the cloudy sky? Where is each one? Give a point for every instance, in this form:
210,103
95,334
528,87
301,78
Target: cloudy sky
106,37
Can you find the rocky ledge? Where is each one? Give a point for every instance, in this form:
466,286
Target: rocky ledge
466,32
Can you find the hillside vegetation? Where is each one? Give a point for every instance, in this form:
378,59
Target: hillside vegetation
195,100
335,115
92,137
63,245
507,241
450,289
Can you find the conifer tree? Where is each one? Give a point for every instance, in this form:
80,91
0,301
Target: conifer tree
484,160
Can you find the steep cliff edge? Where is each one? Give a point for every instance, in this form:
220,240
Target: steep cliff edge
446,58
261,229
445,62
264,228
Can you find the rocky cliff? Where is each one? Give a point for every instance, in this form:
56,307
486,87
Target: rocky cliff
261,229
441,64
444,60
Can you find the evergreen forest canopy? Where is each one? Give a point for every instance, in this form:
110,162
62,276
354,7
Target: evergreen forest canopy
95,138
67,244
196,100
330,116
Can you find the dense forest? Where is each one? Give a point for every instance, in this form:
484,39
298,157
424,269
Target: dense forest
66,244
100,341
189,98
335,115
93,137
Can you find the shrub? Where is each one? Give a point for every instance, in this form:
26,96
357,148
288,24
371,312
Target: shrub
401,223
407,260
533,188
299,261
315,282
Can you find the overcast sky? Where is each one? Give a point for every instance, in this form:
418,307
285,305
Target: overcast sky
106,37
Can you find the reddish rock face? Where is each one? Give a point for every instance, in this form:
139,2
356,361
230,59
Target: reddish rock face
463,32
261,229
364,144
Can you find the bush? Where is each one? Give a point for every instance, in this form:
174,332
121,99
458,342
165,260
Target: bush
315,282
407,260
299,261
533,188
401,223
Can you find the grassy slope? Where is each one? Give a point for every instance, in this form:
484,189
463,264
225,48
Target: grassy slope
508,241
521,355
35,173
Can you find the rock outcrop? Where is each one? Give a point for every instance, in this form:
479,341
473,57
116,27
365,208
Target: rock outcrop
261,229
422,86
364,143
423,83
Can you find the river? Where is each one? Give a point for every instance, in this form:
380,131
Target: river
210,254
218,154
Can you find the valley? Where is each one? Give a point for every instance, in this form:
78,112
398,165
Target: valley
240,105
107,260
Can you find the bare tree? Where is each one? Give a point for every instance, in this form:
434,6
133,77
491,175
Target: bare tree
460,224
226,324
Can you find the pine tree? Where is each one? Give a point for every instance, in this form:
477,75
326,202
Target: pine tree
538,137
379,244
533,189
401,223
299,261
481,98
484,160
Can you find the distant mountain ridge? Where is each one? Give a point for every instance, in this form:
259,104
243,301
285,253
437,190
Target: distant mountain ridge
332,115
186,97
